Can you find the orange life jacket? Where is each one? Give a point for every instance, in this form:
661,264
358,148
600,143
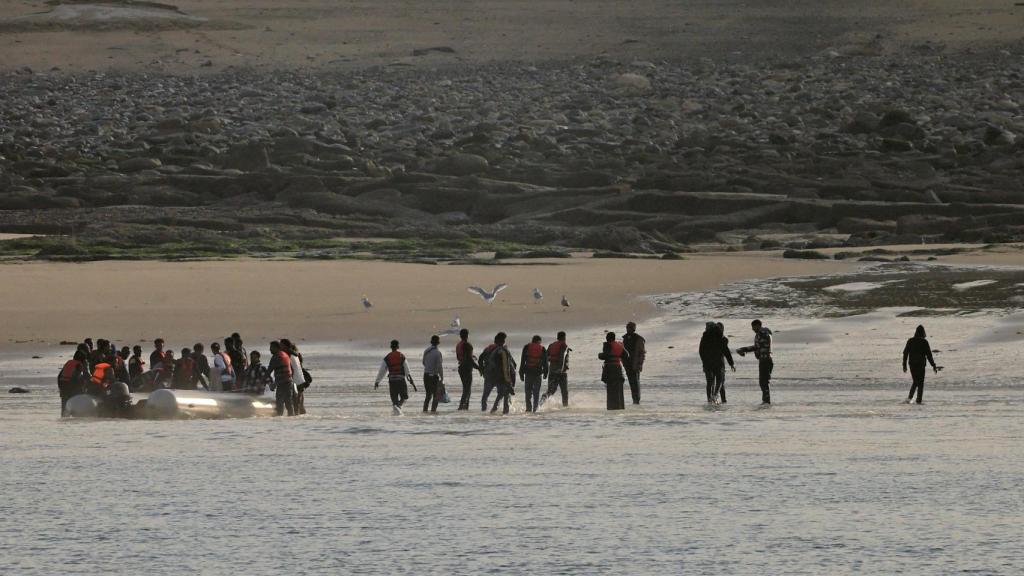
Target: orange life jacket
534,354
615,350
99,374
395,361
70,367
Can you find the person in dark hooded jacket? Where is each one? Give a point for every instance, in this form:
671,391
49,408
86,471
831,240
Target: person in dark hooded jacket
714,353
762,350
918,352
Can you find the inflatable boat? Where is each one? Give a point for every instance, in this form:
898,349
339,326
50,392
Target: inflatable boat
166,404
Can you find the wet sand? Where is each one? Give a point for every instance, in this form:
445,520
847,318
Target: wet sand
185,302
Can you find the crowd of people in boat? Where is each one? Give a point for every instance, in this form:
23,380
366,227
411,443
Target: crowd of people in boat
95,369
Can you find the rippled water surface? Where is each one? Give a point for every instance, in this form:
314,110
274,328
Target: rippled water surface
837,477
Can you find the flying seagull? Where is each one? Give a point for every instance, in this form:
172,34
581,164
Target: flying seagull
537,295
565,303
456,323
487,296
366,303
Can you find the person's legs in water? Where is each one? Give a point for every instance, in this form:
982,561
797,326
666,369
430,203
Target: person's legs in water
556,381
720,381
466,375
531,385
398,390
616,395
634,384
764,369
503,394
283,399
430,391
709,375
917,373
488,386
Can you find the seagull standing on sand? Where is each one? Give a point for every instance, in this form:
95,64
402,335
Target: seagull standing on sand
565,303
487,296
537,295
366,303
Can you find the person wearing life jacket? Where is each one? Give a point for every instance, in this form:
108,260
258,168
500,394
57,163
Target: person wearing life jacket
159,365
99,354
120,363
467,363
489,383
184,371
558,365
102,377
501,372
280,366
222,366
533,368
71,378
615,356
396,368
636,346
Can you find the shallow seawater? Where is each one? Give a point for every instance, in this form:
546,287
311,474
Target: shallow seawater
837,477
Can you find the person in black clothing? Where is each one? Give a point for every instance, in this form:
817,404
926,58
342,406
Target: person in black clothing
136,365
714,348
615,356
467,363
919,354
636,347
256,376
202,368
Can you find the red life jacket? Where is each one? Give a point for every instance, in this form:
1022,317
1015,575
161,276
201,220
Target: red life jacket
615,350
284,368
396,362
555,350
534,354
183,370
99,374
459,348
70,367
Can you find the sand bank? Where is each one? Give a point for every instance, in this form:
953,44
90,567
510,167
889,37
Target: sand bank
184,302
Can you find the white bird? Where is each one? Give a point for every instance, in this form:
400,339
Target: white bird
456,323
537,295
565,302
366,303
487,296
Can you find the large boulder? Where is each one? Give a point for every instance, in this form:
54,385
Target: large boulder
462,164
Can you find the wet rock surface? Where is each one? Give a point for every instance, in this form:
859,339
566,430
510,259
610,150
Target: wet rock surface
600,154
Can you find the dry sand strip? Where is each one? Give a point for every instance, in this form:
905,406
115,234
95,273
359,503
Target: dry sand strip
195,35
184,302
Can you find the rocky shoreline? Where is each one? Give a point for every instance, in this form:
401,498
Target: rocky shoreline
649,157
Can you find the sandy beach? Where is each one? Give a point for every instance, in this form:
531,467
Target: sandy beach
183,302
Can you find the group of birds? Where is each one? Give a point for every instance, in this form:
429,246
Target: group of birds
488,296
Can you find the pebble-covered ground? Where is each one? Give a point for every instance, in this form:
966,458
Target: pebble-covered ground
600,154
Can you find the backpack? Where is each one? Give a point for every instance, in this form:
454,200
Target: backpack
485,359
